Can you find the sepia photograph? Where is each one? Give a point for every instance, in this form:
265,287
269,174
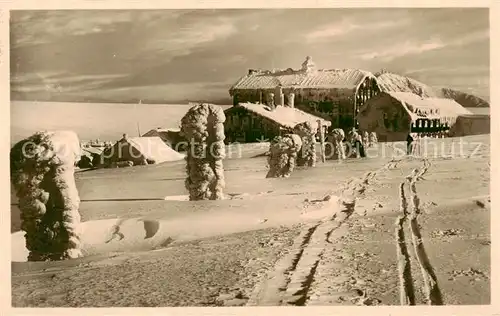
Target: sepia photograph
250,157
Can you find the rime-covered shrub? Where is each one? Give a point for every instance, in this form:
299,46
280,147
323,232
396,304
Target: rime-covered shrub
283,151
373,138
203,128
338,136
307,154
42,173
352,136
366,139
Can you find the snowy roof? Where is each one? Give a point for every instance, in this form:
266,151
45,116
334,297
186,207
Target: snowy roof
93,150
168,135
158,130
321,79
282,115
476,116
303,78
154,148
431,108
389,82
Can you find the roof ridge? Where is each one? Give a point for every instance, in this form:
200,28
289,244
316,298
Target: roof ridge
298,71
305,112
340,78
260,110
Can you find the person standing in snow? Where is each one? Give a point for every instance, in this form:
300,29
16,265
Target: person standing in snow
409,141
360,148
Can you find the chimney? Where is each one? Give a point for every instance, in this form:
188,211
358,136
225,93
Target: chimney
251,71
125,136
270,100
280,97
291,99
308,66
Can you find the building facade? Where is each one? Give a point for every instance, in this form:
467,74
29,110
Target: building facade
335,95
255,122
466,125
392,115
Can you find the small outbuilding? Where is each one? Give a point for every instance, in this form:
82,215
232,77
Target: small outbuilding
475,124
392,115
254,122
90,156
170,136
139,151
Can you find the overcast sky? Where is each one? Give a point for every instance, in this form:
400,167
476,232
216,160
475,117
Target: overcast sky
173,55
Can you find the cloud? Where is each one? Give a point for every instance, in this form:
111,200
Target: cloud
254,27
55,84
195,91
413,47
423,70
403,49
346,26
27,77
460,70
39,27
237,59
332,30
146,51
183,39
471,38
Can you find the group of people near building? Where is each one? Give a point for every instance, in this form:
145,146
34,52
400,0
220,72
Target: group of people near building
359,141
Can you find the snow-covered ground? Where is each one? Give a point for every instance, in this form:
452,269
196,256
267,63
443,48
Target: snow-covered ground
324,236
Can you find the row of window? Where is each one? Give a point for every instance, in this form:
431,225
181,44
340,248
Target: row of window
420,124
423,125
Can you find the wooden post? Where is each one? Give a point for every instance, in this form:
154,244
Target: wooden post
321,141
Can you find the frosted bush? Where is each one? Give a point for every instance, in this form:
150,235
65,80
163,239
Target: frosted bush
352,136
283,151
338,136
307,154
203,127
366,139
42,173
373,138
